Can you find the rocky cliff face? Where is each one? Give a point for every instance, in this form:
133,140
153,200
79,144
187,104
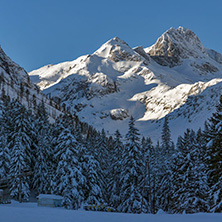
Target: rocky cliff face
13,71
147,83
175,45
15,83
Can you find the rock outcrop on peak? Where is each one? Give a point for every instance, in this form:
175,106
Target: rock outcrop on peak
175,45
140,50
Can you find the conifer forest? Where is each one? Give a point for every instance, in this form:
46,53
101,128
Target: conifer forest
122,173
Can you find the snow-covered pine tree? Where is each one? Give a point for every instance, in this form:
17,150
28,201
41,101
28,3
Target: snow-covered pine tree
43,169
164,159
188,177
213,135
102,156
56,129
201,187
90,187
43,153
42,117
42,179
166,144
149,177
4,151
19,185
116,169
20,128
91,140
101,150
132,172
69,177
4,156
94,194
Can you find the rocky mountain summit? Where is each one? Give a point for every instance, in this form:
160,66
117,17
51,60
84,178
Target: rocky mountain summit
118,81
175,45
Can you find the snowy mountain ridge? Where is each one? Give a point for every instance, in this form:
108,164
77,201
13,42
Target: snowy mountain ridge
15,83
147,83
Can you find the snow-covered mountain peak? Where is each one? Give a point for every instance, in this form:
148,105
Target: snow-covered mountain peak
175,45
118,81
117,50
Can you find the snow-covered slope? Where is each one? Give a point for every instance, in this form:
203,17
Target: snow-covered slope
26,212
15,83
117,81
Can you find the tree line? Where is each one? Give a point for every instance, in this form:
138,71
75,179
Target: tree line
88,168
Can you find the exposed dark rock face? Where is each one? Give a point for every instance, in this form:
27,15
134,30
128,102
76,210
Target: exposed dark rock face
140,51
205,67
215,55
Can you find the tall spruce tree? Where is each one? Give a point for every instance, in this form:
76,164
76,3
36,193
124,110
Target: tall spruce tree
213,135
4,151
69,177
95,192
164,158
101,154
167,144
42,178
132,172
189,193
116,169
4,156
149,176
20,129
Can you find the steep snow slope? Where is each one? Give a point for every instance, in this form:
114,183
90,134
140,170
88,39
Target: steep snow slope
15,82
116,81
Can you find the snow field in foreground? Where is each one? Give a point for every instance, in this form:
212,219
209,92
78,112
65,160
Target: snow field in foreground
30,212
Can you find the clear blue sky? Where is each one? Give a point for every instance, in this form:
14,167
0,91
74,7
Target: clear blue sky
39,32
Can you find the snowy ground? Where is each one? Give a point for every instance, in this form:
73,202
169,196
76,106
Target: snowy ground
29,212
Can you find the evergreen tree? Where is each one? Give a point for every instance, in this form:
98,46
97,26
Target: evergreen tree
189,193
95,184
96,193
101,151
4,156
167,144
102,156
4,151
116,169
132,174
20,129
164,165
69,177
42,178
213,135
149,176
